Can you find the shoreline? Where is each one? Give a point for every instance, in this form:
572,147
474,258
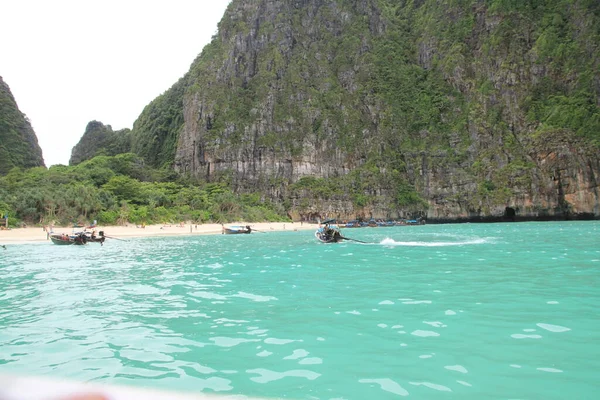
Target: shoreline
38,234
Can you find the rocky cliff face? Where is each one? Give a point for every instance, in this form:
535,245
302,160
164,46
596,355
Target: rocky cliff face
266,100
453,111
18,143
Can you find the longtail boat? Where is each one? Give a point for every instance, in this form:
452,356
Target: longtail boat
234,230
77,238
329,233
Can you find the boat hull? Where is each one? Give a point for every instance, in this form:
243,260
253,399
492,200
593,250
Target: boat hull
78,239
66,240
233,232
61,242
236,230
331,235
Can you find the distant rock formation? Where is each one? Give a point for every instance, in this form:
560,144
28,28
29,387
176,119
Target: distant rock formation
18,143
100,140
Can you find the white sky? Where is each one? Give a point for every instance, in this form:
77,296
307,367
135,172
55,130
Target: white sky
68,62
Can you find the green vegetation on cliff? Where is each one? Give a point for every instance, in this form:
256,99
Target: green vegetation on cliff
18,142
155,132
100,140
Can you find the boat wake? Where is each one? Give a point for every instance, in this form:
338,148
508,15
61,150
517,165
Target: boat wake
392,242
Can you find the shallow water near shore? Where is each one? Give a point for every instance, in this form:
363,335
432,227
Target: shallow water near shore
469,311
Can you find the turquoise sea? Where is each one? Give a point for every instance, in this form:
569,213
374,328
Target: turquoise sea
456,311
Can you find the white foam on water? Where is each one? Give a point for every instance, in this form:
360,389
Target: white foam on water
521,336
435,324
254,297
267,376
257,332
554,370
223,341
280,341
450,312
229,371
237,321
353,312
457,368
386,302
552,302
553,328
388,385
382,325
421,333
311,361
203,369
296,354
264,353
464,383
392,242
417,302
434,386
208,295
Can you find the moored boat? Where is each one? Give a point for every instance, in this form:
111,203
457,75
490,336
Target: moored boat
63,239
77,238
353,224
233,230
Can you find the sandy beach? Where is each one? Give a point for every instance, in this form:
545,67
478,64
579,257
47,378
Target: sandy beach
38,234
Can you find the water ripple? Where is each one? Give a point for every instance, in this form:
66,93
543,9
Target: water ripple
257,316
388,385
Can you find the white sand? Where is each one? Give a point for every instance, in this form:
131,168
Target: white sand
37,234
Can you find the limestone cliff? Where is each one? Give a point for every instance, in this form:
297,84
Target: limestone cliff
452,110
99,139
18,143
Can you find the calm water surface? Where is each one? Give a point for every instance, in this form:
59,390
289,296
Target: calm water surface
465,311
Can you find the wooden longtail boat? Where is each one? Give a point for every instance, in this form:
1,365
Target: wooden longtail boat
329,233
234,230
77,238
